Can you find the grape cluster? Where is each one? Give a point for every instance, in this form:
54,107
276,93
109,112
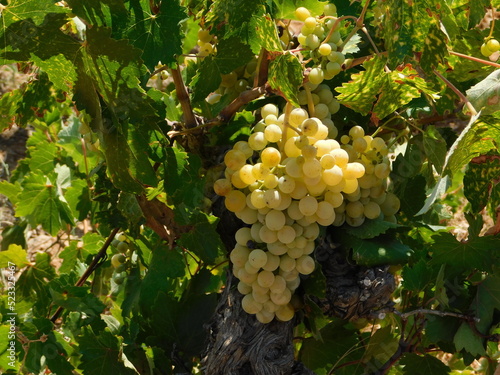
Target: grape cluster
119,260
206,42
489,47
301,179
322,37
234,83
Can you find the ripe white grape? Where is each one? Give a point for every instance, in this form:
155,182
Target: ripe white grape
325,49
257,258
391,205
242,236
250,269
269,109
265,279
286,234
308,205
285,313
282,298
257,141
382,171
247,278
237,182
273,133
287,263
295,252
246,174
244,288
267,235
273,262
264,316
272,198
341,157
277,248
222,186
235,201
278,285
333,176
257,198
260,171
311,232
305,264
325,210
270,157
316,75
354,170
309,127
275,220
350,186
302,13
247,215
234,159
372,210
249,305
311,168
297,116
117,260
354,209
286,184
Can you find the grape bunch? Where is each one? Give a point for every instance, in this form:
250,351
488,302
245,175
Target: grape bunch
120,259
489,47
321,36
283,183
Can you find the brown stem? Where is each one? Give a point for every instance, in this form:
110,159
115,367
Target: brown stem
183,97
96,262
244,98
458,92
436,312
486,62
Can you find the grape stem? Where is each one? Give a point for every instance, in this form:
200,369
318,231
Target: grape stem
458,92
492,23
336,24
183,97
310,102
482,61
406,315
96,262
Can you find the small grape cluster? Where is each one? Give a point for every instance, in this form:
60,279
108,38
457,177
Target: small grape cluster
489,47
206,42
322,37
119,260
301,179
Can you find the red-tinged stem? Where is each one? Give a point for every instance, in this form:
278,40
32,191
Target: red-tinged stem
96,262
458,92
485,62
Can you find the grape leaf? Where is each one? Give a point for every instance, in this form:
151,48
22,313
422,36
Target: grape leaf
434,51
466,339
477,11
101,353
9,102
286,8
330,351
371,229
427,364
435,147
42,158
479,137
477,252
437,191
207,79
417,276
361,92
164,265
203,239
264,34
10,190
285,75
485,95
157,32
378,251
231,54
236,15
382,345
73,253
14,254
479,180
41,202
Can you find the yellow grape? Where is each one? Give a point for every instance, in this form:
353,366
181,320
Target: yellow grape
235,201
257,258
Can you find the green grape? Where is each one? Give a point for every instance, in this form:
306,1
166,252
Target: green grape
493,45
265,279
244,288
325,49
372,210
257,258
316,76
302,13
119,277
249,304
485,51
122,247
117,260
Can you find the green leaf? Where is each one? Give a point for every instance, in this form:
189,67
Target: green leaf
485,95
236,15
264,34
437,191
477,252
164,265
435,147
479,180
371,229
478,138
417,276
207,79
78,196
466,339
101,354
75,252
8,107
485,303
42,203
381,347
10,190
379,251
315,284
477,11
14,254
203,239
361,92
331,351
286,8
434,51
427,364
285,75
